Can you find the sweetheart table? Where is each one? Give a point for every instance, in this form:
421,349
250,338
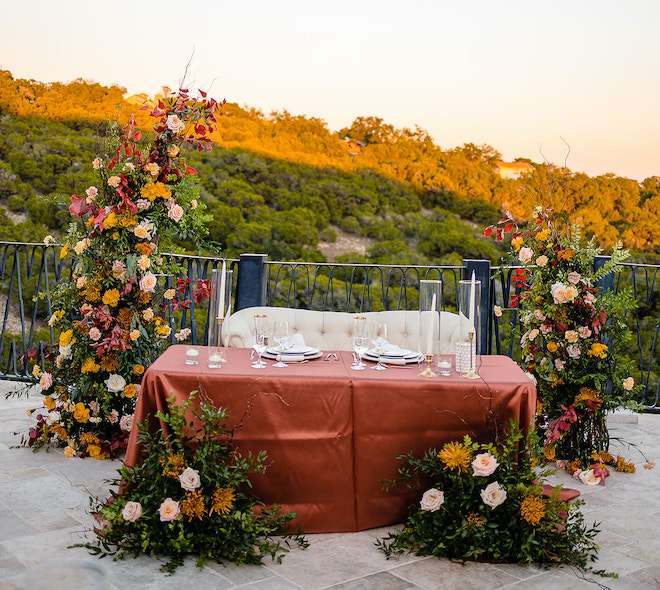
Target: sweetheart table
333,434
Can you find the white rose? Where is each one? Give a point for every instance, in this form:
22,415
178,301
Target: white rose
190,479
174,123
493,495
587,477
126,422
432,500
115,383
558,292
65,351
132,511
148,283
497,310
525,255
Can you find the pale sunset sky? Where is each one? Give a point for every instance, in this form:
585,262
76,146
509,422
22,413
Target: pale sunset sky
517,75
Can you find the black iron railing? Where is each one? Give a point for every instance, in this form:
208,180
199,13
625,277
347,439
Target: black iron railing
27,270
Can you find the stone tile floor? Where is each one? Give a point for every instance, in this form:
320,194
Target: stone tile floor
44,502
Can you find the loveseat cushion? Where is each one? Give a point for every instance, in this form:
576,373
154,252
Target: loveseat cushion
333,330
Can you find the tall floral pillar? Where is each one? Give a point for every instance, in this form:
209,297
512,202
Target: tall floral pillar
110,318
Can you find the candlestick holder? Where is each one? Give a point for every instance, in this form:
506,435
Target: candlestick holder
472,373
428,372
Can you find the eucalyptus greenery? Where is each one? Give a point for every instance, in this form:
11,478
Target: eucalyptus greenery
190,496
485,502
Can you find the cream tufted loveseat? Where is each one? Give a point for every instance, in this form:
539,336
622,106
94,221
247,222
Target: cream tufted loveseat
333,330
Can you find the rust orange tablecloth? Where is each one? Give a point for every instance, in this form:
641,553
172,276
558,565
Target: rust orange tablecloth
332,434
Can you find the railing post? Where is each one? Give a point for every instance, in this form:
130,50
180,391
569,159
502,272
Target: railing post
481,270
252,281
607,282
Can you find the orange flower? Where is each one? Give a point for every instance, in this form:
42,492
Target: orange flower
129,390
138,369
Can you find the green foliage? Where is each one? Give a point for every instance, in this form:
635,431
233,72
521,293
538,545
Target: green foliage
213,517
486,503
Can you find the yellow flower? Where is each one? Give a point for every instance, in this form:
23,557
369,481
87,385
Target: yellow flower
134,335
587,394
598,350
124,317
517,242
90,366
66,337
95,452
65,250
143,248
532,509
129,390
153,190
49,402
81,413
552,346
566,254
127,220
138,369
110,221
542,236
473,521
60,431
623,465
192,505
223,501
109,363
36,371
549,452
69,452
152,168
111,297
88,438
173,151
173,465
455,456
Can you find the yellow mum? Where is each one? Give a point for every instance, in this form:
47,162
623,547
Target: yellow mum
65,337
110,221
49,402
455,456
173,465
138,369
95,452
111,297
542,236
598,350
65,250
532,509
90,366
153,190
129,390
223,501
81,413
517,242
192,505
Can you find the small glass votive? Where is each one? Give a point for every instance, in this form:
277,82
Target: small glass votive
192,355
215,359
445,362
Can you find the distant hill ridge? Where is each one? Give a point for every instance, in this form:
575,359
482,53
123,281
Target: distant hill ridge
281,183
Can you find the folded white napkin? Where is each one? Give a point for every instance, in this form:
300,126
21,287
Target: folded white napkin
296,340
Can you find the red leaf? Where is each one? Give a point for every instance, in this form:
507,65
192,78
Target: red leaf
488,231
508,227
190,170
499,236
137,136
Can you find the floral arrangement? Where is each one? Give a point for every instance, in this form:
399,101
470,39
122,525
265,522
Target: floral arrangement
188,497
486,503
111,315
573,333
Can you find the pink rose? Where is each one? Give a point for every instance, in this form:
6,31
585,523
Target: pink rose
148,283
493,495
558,292
46,381
546,328
113,417
573,351
590,298
174,123
114,181
189,479
432,500
132,511
126,422
94,333
525,255
542,261
560,364
168,510
484,464
584,332
571,335
175,213
574,277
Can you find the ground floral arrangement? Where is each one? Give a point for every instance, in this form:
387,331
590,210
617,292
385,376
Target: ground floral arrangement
189,497
486,503
111,316
573,335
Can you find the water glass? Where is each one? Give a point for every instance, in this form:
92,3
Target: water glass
445,362
192,355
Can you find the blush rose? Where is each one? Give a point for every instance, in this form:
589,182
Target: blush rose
432,500
493,495
484,465
169,510
132,511
189,479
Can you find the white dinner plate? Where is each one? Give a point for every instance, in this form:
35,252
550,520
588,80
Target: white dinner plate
288,357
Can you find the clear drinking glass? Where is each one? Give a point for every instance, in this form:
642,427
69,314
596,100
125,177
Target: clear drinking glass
260,341
379,341
281,336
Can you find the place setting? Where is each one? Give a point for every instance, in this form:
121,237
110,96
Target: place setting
288,349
